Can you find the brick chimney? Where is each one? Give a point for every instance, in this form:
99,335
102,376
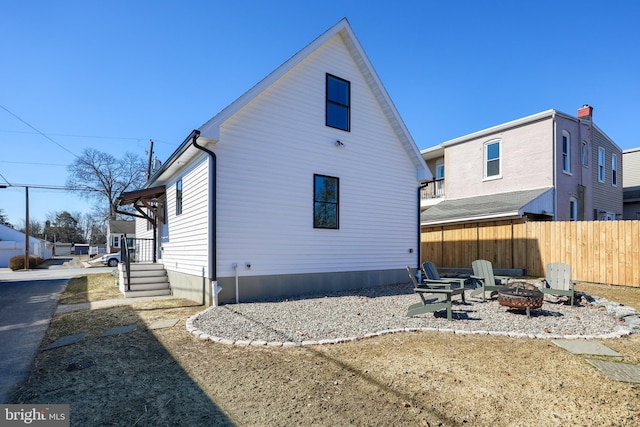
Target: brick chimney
586,112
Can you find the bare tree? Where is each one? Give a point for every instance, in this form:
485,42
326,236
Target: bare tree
102,177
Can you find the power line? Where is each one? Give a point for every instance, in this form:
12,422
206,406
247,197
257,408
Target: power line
38,131
32,163
124,138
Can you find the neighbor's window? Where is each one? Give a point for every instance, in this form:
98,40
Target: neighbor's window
573,209
179,197
338,103
614,170
601,164
115,241
492,159
585,154
325,201
440,169
566,151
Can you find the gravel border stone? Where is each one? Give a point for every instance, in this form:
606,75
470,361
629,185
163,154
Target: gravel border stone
366,313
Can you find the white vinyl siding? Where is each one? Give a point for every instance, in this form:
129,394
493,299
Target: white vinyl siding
185,248
265,179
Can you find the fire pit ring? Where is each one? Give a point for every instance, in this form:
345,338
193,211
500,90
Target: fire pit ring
521,296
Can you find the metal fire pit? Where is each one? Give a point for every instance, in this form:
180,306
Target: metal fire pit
521,296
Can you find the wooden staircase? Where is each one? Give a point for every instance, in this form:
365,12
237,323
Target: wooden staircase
147,280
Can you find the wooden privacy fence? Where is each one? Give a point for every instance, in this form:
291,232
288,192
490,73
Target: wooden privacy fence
598,251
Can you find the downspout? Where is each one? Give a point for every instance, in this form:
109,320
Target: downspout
213,274
555,167
419,251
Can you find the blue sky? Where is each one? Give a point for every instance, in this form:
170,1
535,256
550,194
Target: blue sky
112,75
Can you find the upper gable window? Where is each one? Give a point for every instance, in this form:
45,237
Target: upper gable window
492,159
566,151
338,103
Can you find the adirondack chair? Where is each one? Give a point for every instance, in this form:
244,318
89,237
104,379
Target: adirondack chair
558,280
432,278
483,272
442,300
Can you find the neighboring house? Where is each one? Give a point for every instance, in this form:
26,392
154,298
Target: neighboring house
12,244
116,229
548,166
631,189
307,183
60,248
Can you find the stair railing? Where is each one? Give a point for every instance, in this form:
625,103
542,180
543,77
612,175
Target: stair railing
126,260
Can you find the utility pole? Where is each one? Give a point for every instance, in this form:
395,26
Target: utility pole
26,229
150,157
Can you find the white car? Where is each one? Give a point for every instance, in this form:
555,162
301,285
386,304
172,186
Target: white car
111,260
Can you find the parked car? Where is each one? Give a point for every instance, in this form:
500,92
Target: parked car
111,260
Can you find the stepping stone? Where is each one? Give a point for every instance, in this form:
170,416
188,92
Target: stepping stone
618,371
68,340
586,347
119,330
161,324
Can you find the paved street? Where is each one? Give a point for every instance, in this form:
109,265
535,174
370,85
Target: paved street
27,302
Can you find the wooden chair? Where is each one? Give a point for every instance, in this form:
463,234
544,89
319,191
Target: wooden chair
483,272
432,278
442,298
558,281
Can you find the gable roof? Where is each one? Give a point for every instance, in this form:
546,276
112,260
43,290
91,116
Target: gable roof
485,208
211,129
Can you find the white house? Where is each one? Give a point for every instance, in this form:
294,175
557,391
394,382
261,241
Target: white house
12,244
307,183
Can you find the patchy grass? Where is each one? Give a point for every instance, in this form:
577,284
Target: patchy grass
93,287
168,377
623,294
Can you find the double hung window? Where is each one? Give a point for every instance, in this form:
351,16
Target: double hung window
601,170
492,159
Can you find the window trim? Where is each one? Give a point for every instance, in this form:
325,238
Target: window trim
179,195
614,170
566,152
440,168
601,165
328,102
317,201
486,159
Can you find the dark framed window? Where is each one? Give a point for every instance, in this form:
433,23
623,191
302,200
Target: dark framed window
179,197
338,103
326,199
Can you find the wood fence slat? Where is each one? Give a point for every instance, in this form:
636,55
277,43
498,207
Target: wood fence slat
599,251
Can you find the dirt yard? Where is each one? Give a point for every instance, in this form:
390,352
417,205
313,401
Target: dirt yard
167,377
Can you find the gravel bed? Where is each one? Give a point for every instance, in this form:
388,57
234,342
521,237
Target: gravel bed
348,316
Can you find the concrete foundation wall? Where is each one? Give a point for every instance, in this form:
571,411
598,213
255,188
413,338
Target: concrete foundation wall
251,288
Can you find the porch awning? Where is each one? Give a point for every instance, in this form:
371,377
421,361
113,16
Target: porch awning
145,201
